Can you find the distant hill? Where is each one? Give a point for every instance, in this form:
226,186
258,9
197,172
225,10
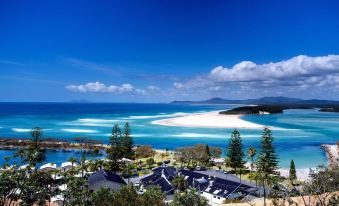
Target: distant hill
263,101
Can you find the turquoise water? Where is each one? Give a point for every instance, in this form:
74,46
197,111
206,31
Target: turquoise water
298,133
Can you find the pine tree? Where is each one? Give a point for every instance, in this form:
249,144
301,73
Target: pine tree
207,150
268,161
127,142
293,173
235,152
34,153
115,150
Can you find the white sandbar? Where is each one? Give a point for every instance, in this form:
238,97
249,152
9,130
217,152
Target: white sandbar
209,120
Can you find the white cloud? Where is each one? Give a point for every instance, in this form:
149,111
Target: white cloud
153,88
178,85
300,71
297,66
98,87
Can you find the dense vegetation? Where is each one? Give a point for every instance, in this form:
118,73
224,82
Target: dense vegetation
271,109
333,109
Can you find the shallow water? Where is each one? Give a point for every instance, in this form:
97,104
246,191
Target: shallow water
298,133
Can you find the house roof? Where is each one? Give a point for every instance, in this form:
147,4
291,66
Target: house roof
105,175
214,185
169,172
164,184
160,178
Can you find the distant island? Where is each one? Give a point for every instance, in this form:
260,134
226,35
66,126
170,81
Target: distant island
271,105
266,101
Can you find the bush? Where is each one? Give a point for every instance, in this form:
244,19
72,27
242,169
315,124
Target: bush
150,162
143,151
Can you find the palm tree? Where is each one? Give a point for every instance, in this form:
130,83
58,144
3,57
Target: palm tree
99,164
179,183
72,160
251,153
92,166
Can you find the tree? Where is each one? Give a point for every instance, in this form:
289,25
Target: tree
103,197
150,162
9,185
127,195
143,151
189,197
201,153
77,192
235,152
36,189
293,173
72,160
215,152
153,196
268,161
207,151
127,142
35,154
251,152
324,181
321,189
179,183
114,152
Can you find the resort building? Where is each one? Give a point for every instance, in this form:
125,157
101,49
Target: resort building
216,187
48,166
68,165
105,179
161,177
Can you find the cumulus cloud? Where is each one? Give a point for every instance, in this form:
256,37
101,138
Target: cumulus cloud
298,72
297,66
98,87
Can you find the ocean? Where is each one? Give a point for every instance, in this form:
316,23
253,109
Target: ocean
298,133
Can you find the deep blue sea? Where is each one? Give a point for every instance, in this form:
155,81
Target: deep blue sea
298,133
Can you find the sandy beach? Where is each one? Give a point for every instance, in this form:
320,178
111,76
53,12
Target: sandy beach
209,120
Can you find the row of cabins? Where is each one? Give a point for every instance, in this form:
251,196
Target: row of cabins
216,187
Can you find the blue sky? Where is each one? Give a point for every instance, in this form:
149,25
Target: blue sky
158,51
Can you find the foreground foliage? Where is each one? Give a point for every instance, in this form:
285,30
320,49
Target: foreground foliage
189,198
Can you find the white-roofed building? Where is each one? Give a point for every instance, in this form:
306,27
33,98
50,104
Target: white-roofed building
23,167
48,166
68,165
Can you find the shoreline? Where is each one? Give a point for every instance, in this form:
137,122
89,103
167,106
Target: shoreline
208,120
332,153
